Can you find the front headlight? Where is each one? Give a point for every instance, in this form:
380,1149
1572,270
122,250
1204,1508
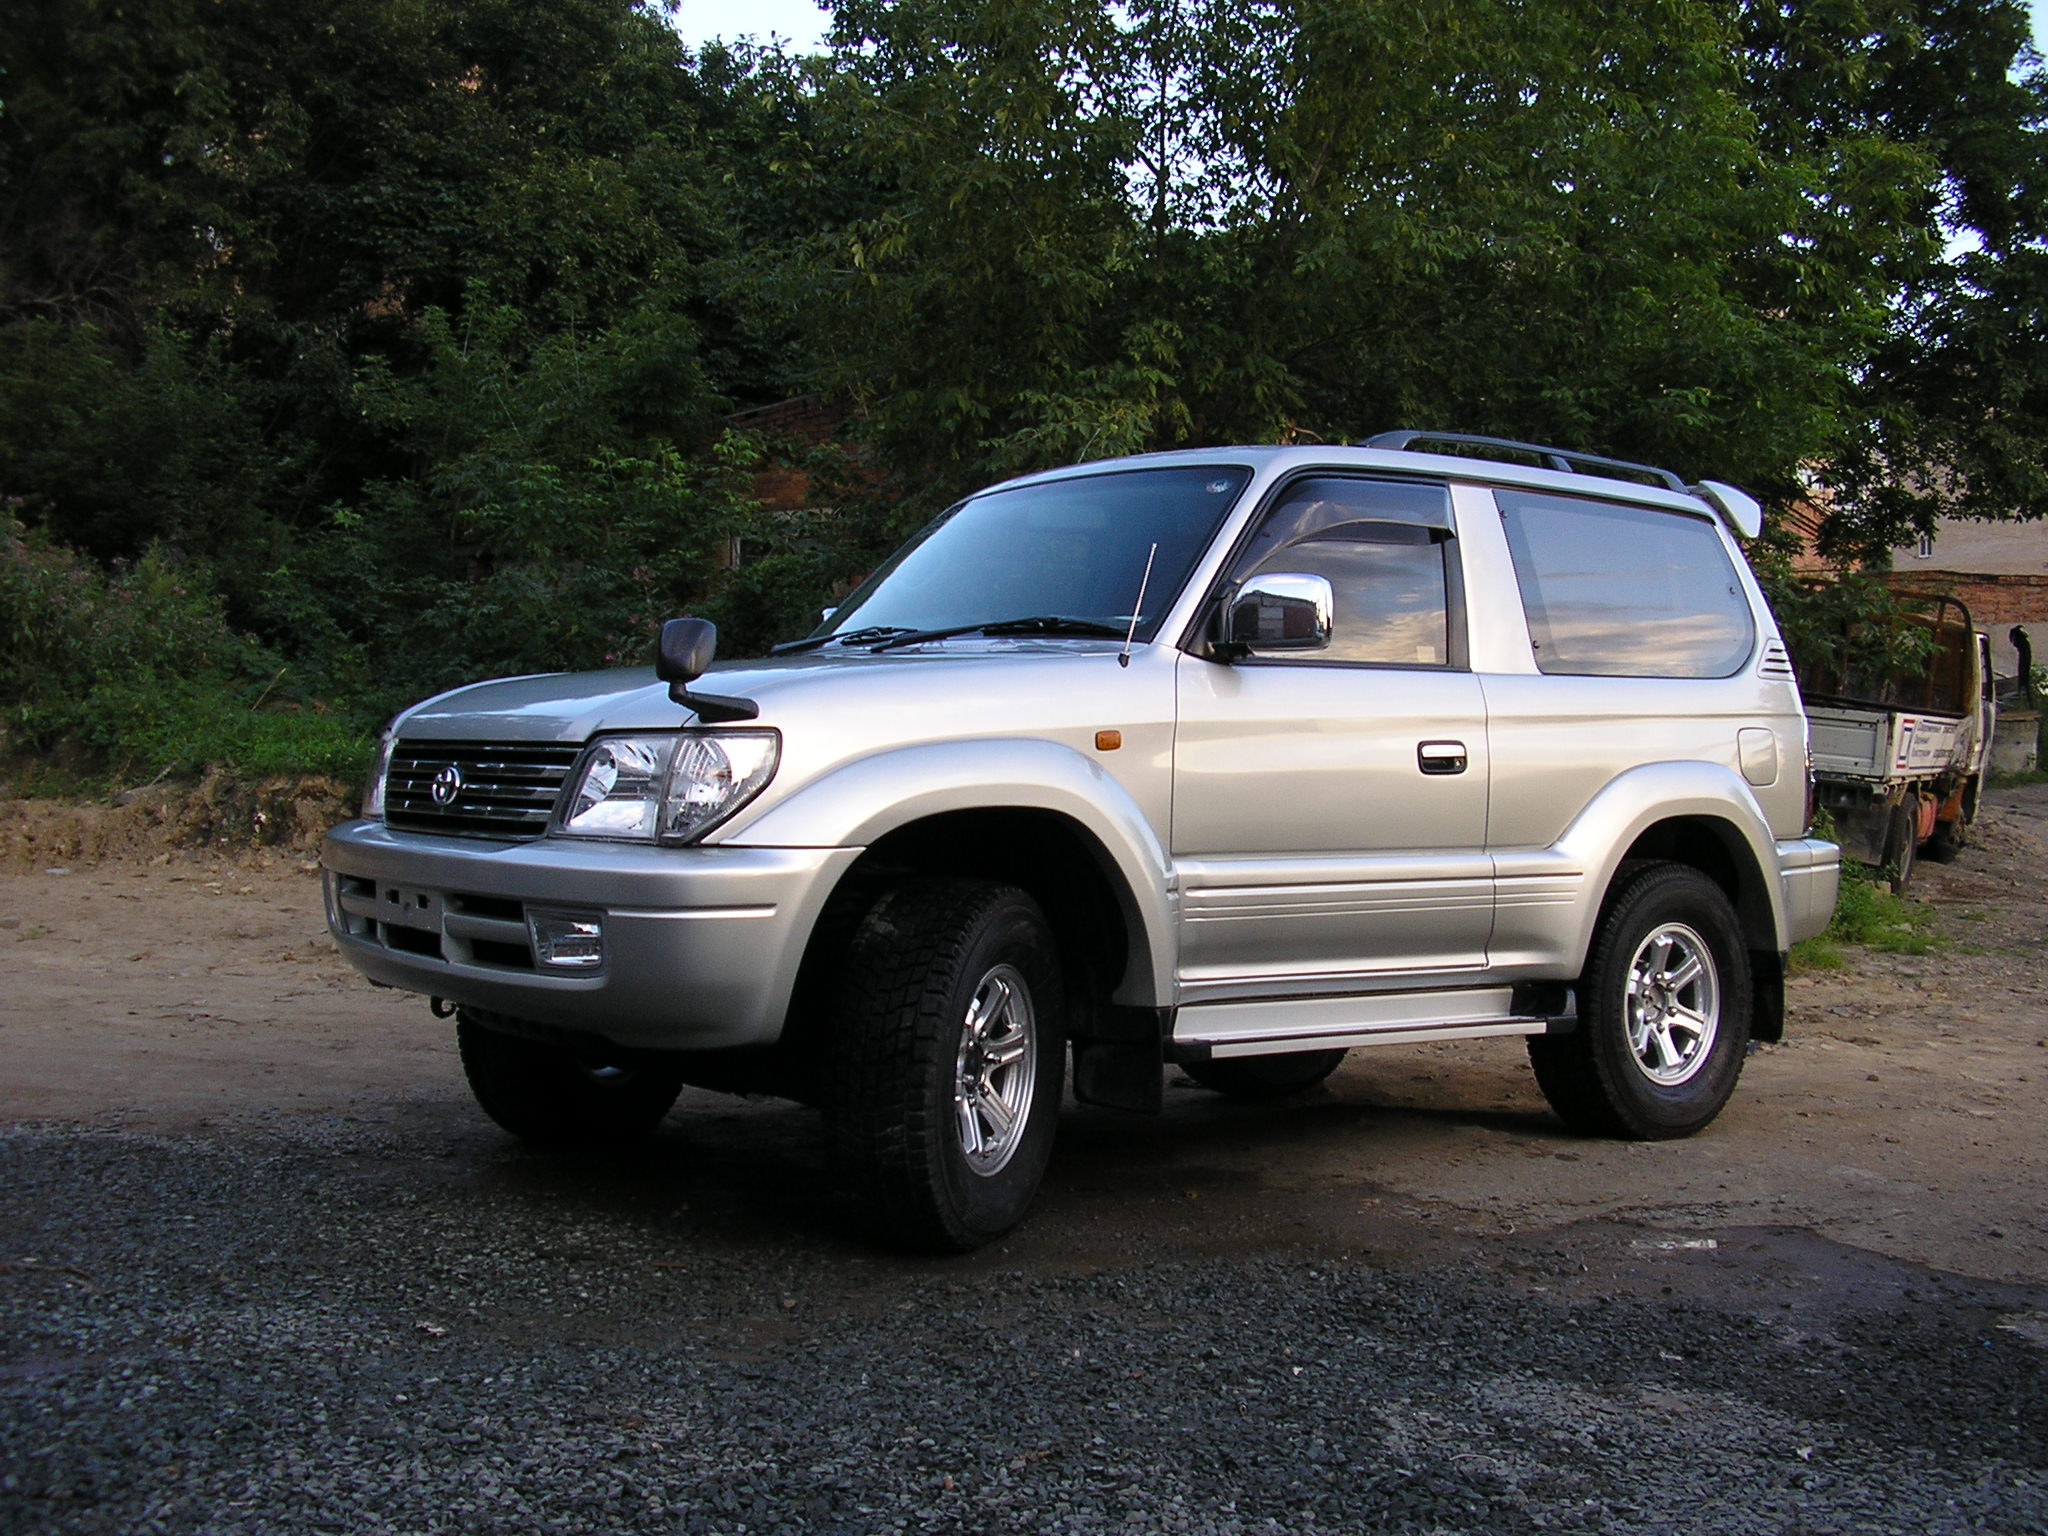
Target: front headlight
670,788
373,791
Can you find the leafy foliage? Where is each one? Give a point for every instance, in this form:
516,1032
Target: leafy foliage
138,670
1845,622
413,334
1947,416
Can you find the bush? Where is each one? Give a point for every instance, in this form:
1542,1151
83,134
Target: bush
136,672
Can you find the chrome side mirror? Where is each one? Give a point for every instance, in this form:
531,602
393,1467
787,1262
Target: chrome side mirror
1281,611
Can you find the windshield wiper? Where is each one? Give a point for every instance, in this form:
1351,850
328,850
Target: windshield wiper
1055,625
1043,624
851,637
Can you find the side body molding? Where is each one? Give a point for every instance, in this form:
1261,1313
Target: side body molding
862,801
1548,899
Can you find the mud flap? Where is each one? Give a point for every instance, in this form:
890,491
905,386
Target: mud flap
1767,995
1121,1063
1864,831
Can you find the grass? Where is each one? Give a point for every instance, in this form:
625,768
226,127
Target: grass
132,736
1999,780
1868,916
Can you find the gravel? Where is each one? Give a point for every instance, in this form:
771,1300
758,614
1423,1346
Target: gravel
367,1330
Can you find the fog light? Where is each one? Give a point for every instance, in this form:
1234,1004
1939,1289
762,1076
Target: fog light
566,941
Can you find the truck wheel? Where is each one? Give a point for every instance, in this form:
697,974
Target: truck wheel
947,1059
556,1098
1264,1077
1664,1012
1902,846
1949,839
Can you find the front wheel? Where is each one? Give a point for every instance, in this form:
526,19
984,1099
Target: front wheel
1664,1013
1948,841
947,1056
1953,835
555,1097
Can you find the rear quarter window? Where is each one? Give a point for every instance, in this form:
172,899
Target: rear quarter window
1617,591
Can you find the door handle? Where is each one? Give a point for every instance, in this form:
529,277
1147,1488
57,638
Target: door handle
1440,757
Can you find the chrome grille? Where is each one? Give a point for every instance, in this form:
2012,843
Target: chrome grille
498,788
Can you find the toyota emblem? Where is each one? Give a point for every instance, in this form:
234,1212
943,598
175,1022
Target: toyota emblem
447,785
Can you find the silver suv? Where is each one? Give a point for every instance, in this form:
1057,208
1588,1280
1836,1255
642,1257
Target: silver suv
1232,759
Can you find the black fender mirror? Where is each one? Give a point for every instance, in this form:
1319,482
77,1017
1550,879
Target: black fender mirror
686,649
682,656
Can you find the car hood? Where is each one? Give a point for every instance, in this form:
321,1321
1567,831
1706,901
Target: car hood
574,706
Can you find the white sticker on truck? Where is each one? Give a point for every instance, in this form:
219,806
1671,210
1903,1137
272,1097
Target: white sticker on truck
1925,745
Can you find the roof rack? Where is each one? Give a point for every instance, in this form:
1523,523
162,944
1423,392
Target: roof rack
1550,458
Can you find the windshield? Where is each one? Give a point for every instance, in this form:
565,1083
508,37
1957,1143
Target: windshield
1066,549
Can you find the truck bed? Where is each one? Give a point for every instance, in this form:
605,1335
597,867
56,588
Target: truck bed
1879,746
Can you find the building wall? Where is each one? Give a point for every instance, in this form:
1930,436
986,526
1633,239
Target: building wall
808,420
1998,570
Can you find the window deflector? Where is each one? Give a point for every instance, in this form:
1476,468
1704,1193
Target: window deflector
1329,510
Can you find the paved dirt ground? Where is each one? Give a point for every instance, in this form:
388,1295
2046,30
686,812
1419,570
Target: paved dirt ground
1899,1118
264,1268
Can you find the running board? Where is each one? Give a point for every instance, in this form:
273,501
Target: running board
1206,1031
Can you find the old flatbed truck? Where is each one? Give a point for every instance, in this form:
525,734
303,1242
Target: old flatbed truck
1899,763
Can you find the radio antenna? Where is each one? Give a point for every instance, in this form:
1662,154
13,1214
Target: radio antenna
1138,612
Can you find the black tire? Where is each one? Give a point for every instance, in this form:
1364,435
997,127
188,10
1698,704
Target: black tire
1948,840
1902,845
555,1098
1657,1061
943,1134
1264,1077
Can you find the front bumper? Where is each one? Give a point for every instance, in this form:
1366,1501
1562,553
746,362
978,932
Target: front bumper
1810,875
701,945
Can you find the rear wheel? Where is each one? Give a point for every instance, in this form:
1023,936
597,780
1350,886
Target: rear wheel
1664,1013
1264,1077
556,1097
1902,846
947,1050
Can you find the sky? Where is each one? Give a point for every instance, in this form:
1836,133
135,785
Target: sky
803,23
800,21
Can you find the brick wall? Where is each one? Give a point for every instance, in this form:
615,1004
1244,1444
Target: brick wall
1991,599
1997,604
810,420
1998,600
782,489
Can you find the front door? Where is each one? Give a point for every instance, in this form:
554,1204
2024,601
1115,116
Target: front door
1329,806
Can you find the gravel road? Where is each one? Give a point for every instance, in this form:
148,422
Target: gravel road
1410,1303
406,1333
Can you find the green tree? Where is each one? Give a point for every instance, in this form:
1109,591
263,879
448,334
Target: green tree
399,293
1934,110
1119,227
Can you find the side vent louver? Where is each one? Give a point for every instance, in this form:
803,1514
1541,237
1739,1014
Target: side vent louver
1775,665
